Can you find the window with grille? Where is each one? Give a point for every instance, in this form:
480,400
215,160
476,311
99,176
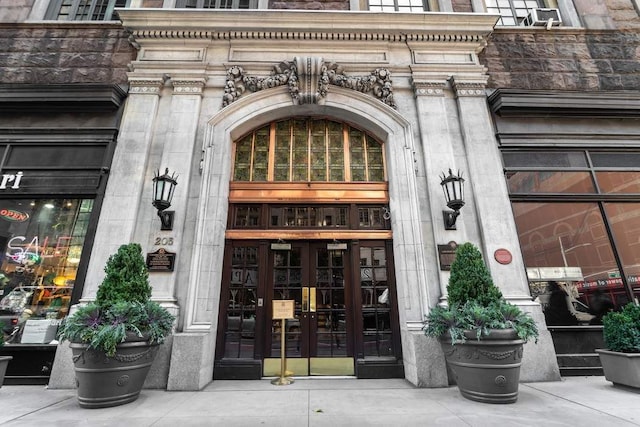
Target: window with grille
308,150
84,10
217,4
512,12
398,5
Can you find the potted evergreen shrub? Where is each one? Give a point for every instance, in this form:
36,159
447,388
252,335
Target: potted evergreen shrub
621,333
4,360
115,339
481,334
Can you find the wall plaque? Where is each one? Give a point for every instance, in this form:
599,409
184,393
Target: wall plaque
503,256
161,260
446,255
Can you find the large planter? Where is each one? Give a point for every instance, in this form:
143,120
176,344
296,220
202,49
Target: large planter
111,381
488,370
4,362
620,368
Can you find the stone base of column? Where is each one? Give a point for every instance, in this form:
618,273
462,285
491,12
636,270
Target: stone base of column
191,361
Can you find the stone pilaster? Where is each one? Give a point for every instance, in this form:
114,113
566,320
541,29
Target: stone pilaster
127,182
496,222
436,125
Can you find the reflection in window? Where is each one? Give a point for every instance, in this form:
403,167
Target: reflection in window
308,150
571,259
550,182
41,243
618,182
625,226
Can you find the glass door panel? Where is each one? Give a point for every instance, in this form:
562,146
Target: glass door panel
317,338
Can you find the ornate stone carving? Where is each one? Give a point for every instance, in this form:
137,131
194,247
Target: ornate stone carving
308,79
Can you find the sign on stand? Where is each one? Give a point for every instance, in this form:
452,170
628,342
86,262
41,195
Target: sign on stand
282,310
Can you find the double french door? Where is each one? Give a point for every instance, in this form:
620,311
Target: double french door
345,319
319,339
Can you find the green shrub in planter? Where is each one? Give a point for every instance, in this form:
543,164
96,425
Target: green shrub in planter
122,307
621,330
470,279
476,305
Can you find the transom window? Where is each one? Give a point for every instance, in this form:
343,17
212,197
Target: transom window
398,5
512,12
305,150
217,4
84,10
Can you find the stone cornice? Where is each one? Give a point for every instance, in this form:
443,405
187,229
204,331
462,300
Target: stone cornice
216,24
520,103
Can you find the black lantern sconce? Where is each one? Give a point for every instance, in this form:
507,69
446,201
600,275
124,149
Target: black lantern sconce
163,187
453,187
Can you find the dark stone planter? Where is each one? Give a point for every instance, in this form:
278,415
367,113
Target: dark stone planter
4,362
621,368
111,381
488,370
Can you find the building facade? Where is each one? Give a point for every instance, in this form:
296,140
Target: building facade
310,140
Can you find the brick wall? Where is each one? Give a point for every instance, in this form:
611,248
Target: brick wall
563,60
64,54
310,4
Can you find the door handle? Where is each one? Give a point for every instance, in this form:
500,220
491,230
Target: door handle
308,299
305,299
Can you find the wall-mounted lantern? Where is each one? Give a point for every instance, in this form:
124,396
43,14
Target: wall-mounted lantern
453,187
163,187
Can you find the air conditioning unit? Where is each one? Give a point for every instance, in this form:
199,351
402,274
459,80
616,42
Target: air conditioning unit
542,17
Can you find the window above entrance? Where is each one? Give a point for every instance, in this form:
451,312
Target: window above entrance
308,150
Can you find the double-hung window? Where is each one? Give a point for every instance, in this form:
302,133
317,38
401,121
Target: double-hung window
398,5
512,12
84,10
217,4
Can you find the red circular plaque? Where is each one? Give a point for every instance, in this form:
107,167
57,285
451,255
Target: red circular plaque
503,256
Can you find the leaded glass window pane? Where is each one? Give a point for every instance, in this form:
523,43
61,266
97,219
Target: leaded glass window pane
304,150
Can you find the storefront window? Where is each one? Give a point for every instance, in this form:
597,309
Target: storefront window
578,221
41,242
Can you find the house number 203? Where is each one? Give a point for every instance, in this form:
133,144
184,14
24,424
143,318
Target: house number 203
164,241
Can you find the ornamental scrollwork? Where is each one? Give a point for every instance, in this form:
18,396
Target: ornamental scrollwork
309,84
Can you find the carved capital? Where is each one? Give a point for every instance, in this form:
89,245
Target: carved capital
468,88
150,86
423,88
188,86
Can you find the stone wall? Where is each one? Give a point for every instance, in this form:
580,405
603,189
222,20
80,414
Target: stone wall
55,53
623,13
15,10
563,59
461,5
310,4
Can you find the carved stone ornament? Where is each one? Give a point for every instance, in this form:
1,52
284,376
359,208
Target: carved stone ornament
308,80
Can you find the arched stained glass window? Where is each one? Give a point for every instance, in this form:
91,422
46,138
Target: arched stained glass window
308,150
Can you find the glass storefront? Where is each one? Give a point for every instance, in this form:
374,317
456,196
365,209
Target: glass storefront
578,219
41,242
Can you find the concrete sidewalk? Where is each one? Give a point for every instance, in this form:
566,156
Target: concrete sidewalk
574,401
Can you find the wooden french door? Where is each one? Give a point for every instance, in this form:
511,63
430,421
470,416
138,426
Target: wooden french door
319,340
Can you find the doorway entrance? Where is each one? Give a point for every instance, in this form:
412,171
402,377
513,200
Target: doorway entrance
315,275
